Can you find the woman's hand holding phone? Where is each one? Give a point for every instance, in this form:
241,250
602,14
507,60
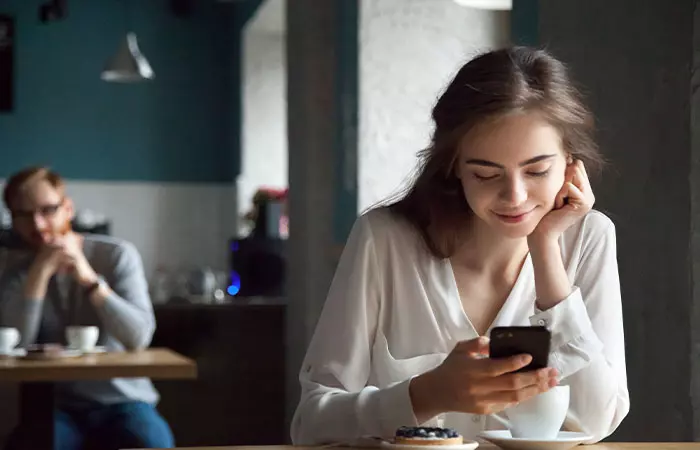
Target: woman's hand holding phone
470,382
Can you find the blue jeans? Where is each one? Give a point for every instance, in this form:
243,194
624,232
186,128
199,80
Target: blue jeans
105,427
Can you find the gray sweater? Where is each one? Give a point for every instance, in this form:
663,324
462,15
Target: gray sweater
125,319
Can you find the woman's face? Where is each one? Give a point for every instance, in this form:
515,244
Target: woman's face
511,171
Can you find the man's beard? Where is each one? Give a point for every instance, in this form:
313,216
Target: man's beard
54,232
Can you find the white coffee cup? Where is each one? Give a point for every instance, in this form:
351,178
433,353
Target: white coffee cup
540,417
9,338
82,338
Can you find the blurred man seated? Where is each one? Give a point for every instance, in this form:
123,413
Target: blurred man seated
55,278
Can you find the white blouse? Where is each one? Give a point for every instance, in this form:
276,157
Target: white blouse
393,312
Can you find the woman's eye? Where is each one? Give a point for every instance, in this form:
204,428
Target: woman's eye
542,173
484,177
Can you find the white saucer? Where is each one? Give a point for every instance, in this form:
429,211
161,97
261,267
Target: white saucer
564,441
14,353
96,350
467,445
69,353
61,354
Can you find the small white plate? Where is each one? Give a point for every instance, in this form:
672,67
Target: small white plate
565,440
467,445
14,353
61,354
95,351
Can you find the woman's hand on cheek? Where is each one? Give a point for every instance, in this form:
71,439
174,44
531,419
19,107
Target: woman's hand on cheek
574,200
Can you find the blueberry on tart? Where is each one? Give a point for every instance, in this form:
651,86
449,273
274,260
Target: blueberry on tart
427,436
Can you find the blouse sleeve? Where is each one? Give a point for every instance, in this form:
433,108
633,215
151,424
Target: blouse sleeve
588,347
336,405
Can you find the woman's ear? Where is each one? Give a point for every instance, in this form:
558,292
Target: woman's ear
569,158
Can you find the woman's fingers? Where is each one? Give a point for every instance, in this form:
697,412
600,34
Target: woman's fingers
517,395
582,167
579,200
515,381
473,347
495,367
561,195
580,178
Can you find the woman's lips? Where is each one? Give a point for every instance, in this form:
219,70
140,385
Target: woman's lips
513,217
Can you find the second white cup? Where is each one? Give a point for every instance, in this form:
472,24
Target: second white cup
9,338
82,338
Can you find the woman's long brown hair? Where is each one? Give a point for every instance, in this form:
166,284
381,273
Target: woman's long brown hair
492,85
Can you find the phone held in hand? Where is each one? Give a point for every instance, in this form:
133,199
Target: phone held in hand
531,340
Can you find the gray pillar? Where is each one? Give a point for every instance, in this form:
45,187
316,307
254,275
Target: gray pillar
695,224
634,59
322,123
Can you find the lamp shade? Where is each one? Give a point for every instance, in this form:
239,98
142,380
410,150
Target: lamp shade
128,65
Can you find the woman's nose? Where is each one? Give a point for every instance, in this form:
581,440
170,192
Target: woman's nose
514,191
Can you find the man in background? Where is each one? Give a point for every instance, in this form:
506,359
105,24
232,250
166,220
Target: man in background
54,278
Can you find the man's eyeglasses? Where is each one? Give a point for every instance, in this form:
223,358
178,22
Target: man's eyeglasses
44,211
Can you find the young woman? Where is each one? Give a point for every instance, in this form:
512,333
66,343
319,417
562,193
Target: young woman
497,229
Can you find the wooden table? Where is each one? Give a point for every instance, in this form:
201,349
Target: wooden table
156,363
37,380
606,446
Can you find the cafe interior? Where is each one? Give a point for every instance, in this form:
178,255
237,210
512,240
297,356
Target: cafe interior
235,142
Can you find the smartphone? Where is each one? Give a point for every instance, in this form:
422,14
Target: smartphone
531,340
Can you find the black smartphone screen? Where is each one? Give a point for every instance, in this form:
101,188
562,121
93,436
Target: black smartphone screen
511,341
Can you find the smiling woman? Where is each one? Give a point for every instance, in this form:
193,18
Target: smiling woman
485,115
496,230
512,175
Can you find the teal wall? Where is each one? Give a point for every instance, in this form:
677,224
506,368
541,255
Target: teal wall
183,126
524,22
347,112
